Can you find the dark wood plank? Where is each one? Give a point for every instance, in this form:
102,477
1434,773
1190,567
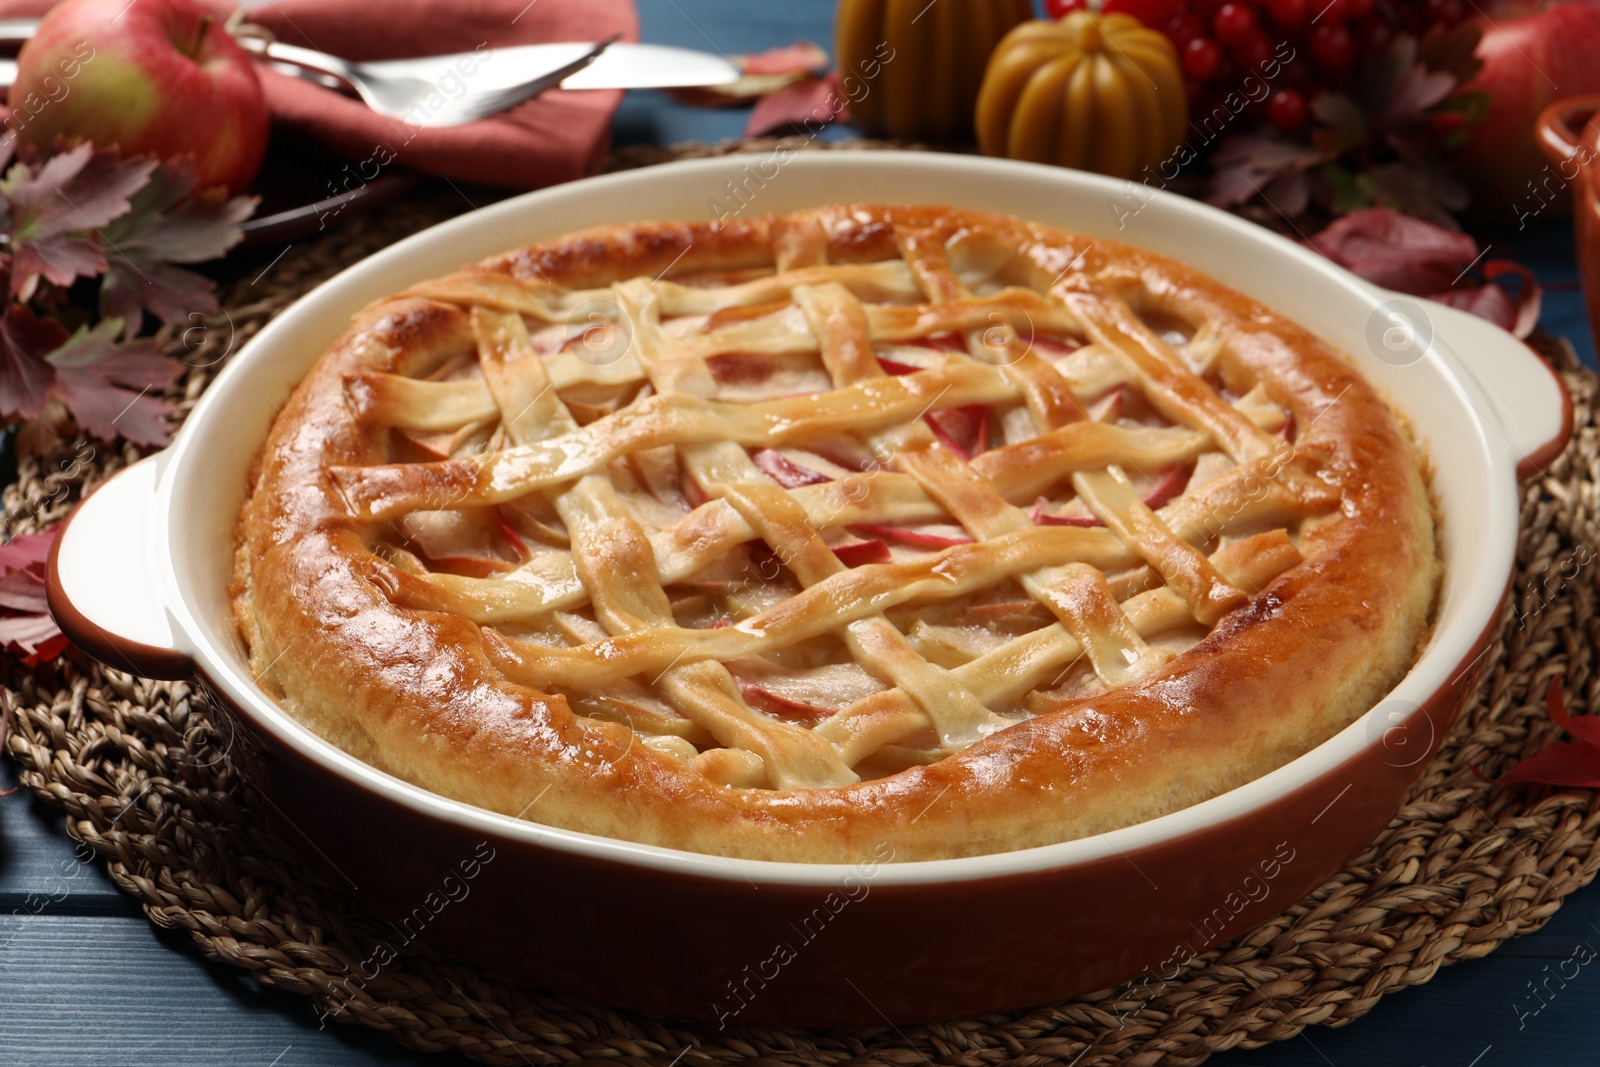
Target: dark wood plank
85,990
39,867
92,990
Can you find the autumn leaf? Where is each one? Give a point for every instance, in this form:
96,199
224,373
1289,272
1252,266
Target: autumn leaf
1396,251
1517,315
1566,763
107,385
56,210
27,625
1246,164
167,223
1425,190
25,376
1453,50
1416,256
26,550
1379,142
83,212
810,103
1344,123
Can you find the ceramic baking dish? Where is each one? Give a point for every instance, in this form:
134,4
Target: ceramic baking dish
139,577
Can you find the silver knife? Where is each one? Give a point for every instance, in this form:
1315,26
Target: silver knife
620,66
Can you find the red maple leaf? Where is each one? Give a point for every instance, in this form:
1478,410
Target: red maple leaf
112,388
167,222
809,103
1565,763
56,210
83,212
1415,256
27,625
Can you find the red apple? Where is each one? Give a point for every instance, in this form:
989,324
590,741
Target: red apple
1533,52
153,77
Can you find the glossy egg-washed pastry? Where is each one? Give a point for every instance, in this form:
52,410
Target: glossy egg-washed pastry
784,537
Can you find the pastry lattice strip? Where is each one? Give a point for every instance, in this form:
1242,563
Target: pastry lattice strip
842,313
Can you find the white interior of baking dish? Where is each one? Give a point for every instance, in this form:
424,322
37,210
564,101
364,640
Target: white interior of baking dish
1468,429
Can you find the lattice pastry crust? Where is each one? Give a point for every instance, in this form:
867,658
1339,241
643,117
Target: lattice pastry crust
785,537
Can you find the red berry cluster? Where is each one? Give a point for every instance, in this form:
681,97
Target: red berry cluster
1222,42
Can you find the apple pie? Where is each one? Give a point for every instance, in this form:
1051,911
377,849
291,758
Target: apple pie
784,537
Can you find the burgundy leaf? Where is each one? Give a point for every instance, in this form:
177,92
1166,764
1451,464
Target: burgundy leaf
1586,728
33,631
1396,251
56,211
25,378
1566,763
1454,50
108,386
26,550
1487,301
1423,190
79,189
167,220
108,412
22,590
167,223
1247,163
119,296
58,259
1530,297
809,103
1491,301
170,293
1289,193
36,635
1344,123
1415,91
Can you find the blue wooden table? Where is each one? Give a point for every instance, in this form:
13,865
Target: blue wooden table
85,979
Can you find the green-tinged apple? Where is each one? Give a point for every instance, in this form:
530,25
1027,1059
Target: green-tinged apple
153,77
1534,52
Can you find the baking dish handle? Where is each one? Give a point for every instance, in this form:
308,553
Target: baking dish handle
1529,409
100,584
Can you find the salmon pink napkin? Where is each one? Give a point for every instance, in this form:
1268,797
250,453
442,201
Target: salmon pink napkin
553,138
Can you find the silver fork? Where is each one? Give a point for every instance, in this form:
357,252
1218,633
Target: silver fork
390,88
411,90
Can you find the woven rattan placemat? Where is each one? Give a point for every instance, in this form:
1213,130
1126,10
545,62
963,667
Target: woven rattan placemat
148,784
